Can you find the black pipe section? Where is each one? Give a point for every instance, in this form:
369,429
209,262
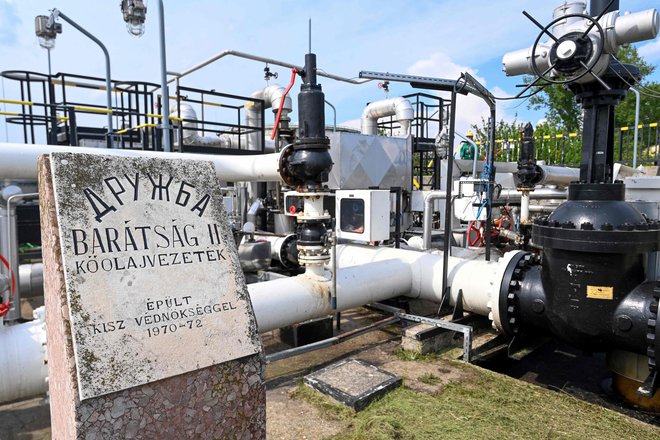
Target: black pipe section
598,132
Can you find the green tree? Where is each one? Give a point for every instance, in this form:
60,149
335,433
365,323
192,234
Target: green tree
561,110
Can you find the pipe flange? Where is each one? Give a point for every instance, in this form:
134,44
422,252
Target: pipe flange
652,382
653,331
287,177
511,284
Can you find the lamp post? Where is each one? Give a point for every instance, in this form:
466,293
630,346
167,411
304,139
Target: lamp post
135,14
47,28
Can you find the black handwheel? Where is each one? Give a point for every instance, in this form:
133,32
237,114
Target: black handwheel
578,46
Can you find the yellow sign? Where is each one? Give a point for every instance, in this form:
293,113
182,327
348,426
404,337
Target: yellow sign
600,292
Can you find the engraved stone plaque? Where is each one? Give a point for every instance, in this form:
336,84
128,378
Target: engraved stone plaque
153,280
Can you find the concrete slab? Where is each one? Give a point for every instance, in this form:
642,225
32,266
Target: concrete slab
353,382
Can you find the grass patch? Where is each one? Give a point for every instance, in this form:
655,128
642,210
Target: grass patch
328,407
429,379
489,405
408,355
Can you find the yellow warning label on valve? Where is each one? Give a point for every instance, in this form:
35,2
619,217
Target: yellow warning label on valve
600,292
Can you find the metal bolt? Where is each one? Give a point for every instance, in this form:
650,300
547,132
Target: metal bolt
538,306
624,323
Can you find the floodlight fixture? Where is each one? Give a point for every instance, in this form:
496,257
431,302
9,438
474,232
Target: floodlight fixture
135,14
47,29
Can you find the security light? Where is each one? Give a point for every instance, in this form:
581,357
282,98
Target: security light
46,29
135,13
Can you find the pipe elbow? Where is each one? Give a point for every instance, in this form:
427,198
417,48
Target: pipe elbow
272,97
400,108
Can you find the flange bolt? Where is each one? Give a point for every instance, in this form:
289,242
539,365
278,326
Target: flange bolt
538,306
624,323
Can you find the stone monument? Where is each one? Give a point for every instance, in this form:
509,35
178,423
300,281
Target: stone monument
151,333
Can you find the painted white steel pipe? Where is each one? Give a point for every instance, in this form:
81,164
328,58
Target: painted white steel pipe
369,274
19,161
552,175
286,301
538,194
479,280
400,108
366,274
272,97
427,224
524,207
22,359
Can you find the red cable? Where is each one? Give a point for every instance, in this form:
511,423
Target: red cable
279,111
4,307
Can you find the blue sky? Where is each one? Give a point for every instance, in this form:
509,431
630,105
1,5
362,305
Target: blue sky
437,38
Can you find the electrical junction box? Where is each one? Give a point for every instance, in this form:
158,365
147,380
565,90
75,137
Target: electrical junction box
471,195
363,215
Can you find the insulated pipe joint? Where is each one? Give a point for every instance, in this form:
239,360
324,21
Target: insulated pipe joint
272,97
191,136
400,108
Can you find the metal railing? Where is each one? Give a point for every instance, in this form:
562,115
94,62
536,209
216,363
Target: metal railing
566,148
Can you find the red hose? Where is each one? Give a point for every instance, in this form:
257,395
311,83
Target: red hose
279,111
4,307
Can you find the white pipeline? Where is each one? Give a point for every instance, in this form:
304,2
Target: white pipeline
552,175
23,359
524,207
19,161
367,274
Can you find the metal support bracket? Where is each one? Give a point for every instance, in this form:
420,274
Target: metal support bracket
447,325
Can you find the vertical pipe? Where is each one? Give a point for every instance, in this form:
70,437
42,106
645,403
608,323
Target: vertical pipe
73,126
489,177
448,199
334,118
636,92
167,145
524,207
5,251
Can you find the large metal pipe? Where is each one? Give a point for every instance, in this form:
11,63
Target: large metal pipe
397,107
23,360
31,280
513,195
19,161
359,281
286,301
552,175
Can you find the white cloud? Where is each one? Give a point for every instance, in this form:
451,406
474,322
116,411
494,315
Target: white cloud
351,123
470,109
651,51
